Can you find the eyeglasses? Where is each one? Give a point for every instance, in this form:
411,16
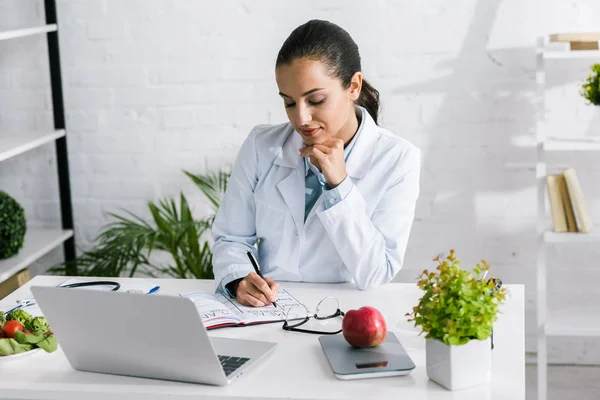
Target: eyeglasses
323,321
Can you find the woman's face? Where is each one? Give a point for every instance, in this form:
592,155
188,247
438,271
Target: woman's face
316,104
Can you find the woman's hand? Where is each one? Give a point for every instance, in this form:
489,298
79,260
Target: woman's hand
256,291
329,157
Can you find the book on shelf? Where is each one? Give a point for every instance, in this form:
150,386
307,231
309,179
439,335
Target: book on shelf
557,205
578,41
584,220
567,205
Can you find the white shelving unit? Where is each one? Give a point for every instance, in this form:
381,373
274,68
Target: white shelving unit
20,143
555,144
39,242
564,322
554,237
16,33
572,322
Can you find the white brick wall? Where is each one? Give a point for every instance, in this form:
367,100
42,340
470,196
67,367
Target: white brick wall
156,86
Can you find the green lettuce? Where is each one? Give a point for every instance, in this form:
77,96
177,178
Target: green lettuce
49,343
11,346
24,338
45,341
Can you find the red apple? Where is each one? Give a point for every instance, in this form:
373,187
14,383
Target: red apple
364,327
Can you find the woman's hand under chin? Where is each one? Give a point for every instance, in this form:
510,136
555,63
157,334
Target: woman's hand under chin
328,156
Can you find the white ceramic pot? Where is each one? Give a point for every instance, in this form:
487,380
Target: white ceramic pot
459,367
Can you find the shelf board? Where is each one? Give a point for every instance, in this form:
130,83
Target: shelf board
573,322
14,145
36,30
38,242
572,237
582,144
571,54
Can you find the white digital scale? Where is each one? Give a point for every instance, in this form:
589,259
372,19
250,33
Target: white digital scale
348,362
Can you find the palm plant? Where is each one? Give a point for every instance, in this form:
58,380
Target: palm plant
125,246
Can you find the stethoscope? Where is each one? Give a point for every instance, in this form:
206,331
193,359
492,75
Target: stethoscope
115,285
28,302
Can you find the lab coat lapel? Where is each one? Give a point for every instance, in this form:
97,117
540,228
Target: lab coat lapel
291,187
317,208
360,159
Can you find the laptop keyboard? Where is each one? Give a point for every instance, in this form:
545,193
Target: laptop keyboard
230,364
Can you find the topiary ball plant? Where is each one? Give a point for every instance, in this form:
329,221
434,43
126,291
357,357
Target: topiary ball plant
12,226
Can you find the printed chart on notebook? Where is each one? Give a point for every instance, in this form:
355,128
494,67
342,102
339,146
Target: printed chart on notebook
217,310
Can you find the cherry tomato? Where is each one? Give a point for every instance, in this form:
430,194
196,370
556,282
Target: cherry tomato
11,327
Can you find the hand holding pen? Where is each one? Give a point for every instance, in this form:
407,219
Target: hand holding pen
256,290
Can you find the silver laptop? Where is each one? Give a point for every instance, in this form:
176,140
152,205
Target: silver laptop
149,336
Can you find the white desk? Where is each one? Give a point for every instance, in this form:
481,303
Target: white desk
297,369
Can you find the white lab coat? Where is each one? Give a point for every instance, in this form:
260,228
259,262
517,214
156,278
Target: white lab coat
362,238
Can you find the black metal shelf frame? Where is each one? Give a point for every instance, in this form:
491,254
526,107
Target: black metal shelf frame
58,112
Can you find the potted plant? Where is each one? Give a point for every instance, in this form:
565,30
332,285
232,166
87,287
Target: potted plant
125,245
457,312
590,89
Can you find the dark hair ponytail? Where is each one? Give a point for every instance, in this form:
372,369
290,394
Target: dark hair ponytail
332,45
369,99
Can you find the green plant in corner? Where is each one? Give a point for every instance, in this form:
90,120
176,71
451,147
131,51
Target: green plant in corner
13,226
125,246
457,305
590,89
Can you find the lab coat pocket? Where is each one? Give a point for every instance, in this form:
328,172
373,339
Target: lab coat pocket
273,224
270,220
274,229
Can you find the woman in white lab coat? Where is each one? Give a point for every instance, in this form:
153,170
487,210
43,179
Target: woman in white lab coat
328,196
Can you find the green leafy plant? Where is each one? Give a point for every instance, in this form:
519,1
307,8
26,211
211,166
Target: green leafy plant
13,226
125,245
458,305
590,89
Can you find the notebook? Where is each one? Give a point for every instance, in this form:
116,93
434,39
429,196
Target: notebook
218,310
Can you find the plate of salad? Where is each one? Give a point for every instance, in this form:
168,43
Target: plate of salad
22,334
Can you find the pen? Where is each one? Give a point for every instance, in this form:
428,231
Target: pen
21,304
256,268
26,302
154,289
13,309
